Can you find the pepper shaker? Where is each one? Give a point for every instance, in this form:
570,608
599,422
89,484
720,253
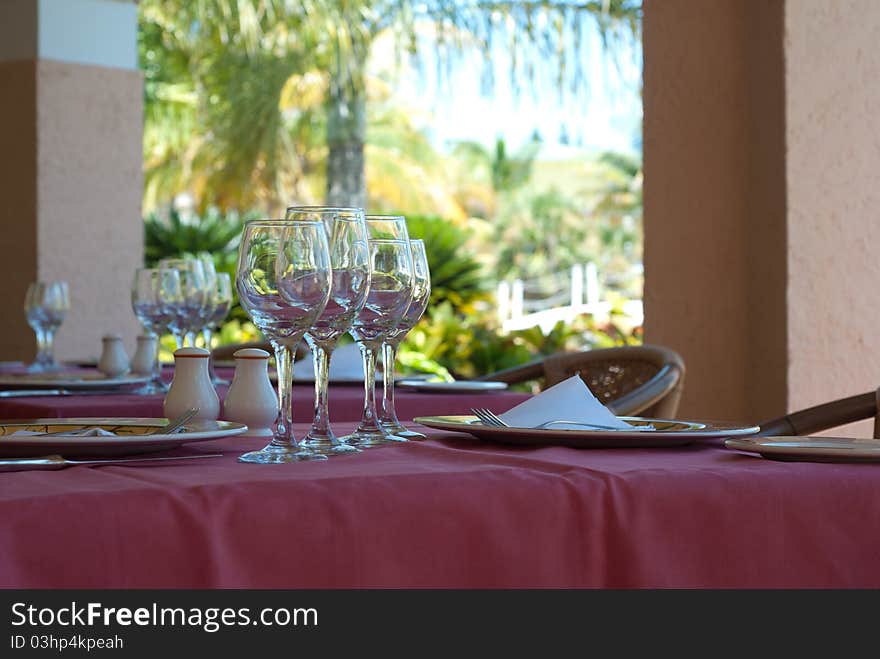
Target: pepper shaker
145,356
191,386
114,360
251,398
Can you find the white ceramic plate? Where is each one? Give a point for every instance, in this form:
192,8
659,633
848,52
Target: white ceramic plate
451,387
666,433
94,380
131,436
809,449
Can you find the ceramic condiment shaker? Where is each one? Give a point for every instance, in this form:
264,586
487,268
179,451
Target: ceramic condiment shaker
191,386
251,398
145,356
114,359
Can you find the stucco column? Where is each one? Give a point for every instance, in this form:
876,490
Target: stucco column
70,166
761,151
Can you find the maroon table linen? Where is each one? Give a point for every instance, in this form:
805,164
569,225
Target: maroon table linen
346,403
450,512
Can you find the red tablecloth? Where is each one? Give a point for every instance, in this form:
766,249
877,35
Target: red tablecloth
448,512
346,403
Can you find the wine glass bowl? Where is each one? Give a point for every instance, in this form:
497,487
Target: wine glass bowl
283,282
45,305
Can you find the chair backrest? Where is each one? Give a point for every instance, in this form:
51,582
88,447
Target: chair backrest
826,416
645,380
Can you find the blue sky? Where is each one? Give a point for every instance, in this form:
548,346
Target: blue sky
606,115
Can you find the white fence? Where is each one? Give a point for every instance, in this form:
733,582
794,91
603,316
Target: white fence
559,296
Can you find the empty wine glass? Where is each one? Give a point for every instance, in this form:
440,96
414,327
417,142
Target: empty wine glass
421,295
221,300
45,305
283,282
350,259
188,310
154,294
391,289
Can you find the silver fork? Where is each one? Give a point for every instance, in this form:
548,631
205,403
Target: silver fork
489,418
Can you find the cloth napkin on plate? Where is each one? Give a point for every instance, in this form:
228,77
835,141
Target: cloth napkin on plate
346,364
569,400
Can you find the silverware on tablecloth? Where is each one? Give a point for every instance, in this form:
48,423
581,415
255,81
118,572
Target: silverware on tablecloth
59,462
24,393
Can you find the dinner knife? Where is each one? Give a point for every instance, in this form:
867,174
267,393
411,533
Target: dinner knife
21,393
60,462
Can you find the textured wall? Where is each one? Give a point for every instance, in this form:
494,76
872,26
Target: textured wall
89,189
833,98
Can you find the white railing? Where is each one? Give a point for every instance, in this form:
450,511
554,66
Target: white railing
574,293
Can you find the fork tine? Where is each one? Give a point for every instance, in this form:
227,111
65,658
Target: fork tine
497,419
488,417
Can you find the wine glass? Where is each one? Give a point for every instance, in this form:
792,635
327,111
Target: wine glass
45,305
391,289
188,310
283,282
421,295
350,259
221,295
154,294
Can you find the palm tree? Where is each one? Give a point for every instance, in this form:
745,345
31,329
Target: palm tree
550,30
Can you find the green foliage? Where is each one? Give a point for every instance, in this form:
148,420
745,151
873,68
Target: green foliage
212,232
467,346
456,276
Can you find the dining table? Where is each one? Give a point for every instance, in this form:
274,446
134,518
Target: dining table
451,511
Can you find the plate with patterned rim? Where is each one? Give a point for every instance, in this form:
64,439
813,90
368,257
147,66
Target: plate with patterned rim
130,436
666,433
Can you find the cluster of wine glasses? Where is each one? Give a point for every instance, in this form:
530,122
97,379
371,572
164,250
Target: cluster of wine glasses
45,305
183,296
317,274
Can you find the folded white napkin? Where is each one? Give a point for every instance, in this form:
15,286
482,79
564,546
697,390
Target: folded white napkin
87,432
345,364
570,400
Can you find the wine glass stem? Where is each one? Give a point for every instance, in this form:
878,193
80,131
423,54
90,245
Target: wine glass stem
368,352
321,351
191,337
179,339
284,367
46,346
389,357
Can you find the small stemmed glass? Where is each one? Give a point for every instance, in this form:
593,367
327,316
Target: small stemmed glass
45,305
391,288
188,311
155,293
283,282
350,259
421,295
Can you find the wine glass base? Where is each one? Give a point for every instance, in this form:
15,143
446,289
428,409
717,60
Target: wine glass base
327,446
399,430
218,381
280,455
150,388
372,438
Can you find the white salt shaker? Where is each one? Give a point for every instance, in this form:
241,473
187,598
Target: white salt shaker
114,359
191,386
145,356
251,398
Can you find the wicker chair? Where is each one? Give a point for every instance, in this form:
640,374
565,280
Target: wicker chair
645,380
826,416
